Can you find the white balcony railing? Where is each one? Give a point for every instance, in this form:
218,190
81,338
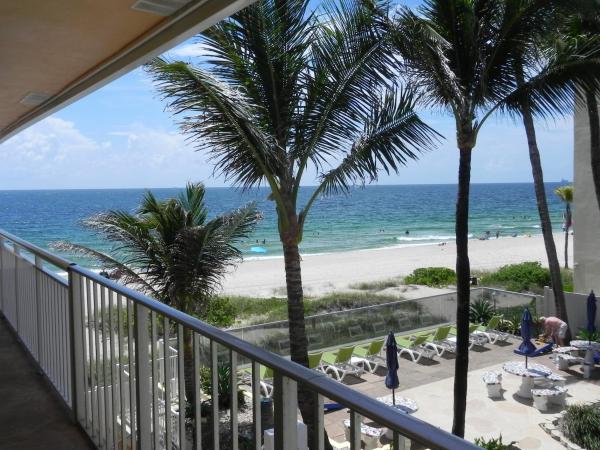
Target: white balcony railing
102,348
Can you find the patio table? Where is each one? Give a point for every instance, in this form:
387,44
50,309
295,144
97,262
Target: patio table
528,374
402,404
369,435
590,348
405,405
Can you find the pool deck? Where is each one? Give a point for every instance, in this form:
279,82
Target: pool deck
430,384
31,415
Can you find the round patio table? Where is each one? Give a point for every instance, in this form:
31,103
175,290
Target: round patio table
590,348
402,403
528,374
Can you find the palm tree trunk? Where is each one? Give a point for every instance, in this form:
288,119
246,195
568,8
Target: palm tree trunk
594,120
540,195
567,226
297,330
463,272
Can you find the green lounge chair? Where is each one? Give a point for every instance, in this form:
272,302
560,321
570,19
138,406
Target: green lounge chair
265,378
491,332
474,337
439,341
369,356
315,361
414,347
338,363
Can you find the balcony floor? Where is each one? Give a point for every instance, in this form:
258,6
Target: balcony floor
31,416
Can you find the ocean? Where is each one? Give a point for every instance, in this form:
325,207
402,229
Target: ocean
370,217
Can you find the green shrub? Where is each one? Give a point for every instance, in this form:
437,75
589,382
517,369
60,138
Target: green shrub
220,312
494,443
585,335
581,424
480,311
527,276
223,383
432,276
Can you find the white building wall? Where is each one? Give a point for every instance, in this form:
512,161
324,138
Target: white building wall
586,216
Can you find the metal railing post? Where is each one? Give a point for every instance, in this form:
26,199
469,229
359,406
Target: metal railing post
2,241
38,300
142,378
76,338
17,252
285,393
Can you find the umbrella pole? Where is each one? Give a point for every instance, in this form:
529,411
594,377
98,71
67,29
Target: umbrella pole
526,361
394,396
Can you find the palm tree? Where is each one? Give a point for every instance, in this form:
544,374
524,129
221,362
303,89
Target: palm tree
285,94
171,251
460,55
548,78
565,193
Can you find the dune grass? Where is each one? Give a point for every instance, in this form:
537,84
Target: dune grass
250,310
378,285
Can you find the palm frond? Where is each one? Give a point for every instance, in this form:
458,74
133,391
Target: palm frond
350,60
393,135
220,119
129,276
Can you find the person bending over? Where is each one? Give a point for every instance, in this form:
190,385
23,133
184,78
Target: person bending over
554,328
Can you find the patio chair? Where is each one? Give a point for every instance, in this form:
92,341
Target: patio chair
338,363
369,356
415,348
265,377
439,342
315,361
474,338
491,332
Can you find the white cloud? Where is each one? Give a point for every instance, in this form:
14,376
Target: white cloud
193,50
56,154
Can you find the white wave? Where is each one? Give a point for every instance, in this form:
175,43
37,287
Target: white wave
536,226
426,238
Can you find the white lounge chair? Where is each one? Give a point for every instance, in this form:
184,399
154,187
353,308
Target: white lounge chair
415,348
338,363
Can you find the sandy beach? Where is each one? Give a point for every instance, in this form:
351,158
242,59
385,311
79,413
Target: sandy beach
336,271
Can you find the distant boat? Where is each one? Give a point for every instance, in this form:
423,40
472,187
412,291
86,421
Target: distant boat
563,181
258,250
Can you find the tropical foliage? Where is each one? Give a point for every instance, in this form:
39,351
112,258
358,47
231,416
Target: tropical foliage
522,277
581,424
431,276
171,250
284,92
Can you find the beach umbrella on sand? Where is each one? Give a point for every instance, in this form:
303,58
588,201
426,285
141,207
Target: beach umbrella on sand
526,348
591,313
391,361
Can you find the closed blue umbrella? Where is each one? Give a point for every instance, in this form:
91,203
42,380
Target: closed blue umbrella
391,360
591,313
526,348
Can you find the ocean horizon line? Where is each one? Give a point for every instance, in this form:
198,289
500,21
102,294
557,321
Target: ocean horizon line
368,186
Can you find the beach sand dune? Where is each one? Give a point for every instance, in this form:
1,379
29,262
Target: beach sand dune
336,271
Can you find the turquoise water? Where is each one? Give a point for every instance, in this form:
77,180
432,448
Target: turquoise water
371,217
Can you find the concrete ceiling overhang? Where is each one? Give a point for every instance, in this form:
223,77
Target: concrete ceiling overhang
55,52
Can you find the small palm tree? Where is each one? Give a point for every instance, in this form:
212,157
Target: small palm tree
171,251
565,193
287,95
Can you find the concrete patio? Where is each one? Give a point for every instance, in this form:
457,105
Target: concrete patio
431,386
32,417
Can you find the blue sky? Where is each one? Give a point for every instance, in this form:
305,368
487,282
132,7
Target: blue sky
121,137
